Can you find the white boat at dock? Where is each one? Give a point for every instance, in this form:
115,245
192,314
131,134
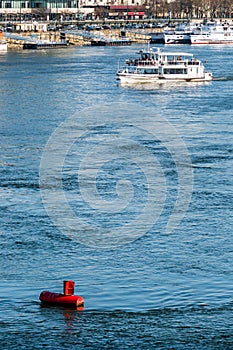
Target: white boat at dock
3,46
3,42
155,66
180,35
212,33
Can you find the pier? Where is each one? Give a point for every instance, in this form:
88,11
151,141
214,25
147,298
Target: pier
34,40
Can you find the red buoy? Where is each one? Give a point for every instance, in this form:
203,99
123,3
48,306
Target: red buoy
66,299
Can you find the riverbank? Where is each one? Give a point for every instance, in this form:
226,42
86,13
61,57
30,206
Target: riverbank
77,38
82,37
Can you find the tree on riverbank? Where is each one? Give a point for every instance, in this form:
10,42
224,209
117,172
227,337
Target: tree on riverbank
190,8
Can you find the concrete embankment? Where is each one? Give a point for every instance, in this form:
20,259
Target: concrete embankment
86,38
17,41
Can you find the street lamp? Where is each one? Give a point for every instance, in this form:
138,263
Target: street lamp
148,11
20,11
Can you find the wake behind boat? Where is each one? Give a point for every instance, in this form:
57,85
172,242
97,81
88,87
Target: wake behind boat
155,66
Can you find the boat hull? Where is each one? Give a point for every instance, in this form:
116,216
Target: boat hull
160,80
166,78
156,38
176,39
141,79
209,42
136,78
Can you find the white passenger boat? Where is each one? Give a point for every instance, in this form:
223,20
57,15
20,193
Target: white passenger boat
3,46
158,67
180,35
212,33
3,43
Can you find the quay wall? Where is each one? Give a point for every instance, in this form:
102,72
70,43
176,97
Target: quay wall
77,39
16,42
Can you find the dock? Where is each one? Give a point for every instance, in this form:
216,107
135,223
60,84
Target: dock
32,42
62,39
40,45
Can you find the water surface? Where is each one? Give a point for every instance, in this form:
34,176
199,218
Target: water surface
161,291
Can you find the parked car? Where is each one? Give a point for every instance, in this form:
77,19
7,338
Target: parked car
105,26
93,27
51,28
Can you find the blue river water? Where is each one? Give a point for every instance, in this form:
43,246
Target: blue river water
128,191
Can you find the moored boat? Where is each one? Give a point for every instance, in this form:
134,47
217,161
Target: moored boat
3,43
212,33
3,46
180,35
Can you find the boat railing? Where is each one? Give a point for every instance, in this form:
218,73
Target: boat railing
179,62
175,62
138,62
194,62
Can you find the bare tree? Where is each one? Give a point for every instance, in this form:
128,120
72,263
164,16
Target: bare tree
164,8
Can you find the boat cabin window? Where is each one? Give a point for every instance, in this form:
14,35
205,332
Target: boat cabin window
151,71
175,71
147,56
172,59
147,70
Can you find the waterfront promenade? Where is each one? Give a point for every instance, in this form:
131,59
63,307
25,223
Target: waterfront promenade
85,32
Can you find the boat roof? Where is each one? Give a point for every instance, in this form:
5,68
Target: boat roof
175,54
157,50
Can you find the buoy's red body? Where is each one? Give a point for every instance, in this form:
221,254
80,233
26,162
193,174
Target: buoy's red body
66,299
61,299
